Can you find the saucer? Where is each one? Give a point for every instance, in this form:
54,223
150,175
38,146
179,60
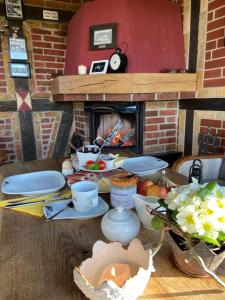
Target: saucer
71,213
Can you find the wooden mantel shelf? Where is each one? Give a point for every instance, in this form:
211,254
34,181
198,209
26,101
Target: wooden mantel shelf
131,83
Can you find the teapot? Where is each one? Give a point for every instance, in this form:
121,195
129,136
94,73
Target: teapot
121,225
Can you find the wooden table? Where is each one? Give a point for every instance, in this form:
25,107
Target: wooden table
37,257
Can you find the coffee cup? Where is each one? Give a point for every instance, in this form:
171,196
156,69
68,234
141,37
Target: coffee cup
84,196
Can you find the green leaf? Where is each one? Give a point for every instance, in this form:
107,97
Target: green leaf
221,236
97,167
157,223
211,185
207,189
162,203
91,167
174,215
208,240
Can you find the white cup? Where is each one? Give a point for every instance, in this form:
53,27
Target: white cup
84,196
83,157
82,70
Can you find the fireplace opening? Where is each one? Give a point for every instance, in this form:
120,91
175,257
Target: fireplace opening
120,124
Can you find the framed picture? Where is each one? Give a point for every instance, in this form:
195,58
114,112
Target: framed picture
99,67
19,70
18,49
103,36
14,9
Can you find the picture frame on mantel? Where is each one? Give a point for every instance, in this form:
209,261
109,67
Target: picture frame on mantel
99,67
14,9
103,36
18,49
19,70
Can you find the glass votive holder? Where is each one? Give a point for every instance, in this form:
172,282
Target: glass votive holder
82,70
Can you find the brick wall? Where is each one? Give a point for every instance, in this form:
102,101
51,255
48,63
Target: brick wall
81,121
46,126
160,126
217,127
10,140
214,74
47,41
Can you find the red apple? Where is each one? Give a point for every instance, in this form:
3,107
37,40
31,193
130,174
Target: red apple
142,186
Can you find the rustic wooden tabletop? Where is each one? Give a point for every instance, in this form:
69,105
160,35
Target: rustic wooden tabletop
37,257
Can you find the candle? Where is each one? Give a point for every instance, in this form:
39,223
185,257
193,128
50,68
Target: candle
82,70
117,272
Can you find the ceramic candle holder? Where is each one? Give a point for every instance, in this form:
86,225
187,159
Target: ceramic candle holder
133,266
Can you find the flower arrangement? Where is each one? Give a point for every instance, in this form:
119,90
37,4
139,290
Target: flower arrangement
196,213
199,211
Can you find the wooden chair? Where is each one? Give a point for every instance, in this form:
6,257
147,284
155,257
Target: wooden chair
213,166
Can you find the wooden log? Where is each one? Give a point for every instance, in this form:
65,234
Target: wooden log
123,83
92,84
163,82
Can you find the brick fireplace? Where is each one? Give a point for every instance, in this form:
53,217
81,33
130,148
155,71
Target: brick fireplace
160,119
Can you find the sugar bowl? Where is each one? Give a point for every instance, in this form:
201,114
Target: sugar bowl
121,225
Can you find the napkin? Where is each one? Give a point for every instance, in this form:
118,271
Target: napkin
34,209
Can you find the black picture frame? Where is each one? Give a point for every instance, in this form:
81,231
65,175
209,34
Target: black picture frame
18,49
14,9
19,70
103,36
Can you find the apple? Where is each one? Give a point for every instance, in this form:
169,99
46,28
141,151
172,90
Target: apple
143,185
156,190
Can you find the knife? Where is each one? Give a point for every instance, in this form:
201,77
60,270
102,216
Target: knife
25,198
35,202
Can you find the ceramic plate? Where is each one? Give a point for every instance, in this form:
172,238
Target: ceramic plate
144,165
71,213
105,170
35,183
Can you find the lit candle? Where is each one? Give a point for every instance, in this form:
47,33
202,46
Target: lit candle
117,272
82,70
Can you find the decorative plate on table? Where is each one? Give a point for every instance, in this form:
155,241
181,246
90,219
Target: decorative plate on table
102,179
144,165
119,165
71,213
35,183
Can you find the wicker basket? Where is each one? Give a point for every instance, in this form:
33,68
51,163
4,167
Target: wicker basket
189,265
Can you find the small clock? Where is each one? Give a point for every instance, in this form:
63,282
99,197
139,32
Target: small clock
118,62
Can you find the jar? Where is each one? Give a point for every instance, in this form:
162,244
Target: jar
122,187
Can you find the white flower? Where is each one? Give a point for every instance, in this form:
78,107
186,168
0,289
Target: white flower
188,219
221,222
200,211
209,228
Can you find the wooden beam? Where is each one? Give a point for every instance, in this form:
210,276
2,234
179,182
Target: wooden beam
163,82
92,84
123,83
36,13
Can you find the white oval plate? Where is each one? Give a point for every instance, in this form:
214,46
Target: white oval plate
144,165
35,183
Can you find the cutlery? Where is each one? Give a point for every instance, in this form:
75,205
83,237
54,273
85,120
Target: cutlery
36,202
50,216
33,197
